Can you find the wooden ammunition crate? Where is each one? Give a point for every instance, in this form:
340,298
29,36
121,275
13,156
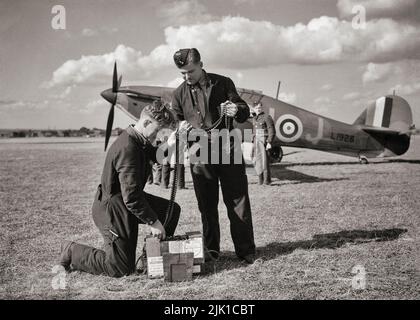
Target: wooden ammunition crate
178,266
176,259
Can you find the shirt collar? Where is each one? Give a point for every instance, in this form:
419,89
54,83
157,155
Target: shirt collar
148,148
203,82
140,138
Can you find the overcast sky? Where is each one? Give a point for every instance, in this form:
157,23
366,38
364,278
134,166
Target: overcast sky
53,78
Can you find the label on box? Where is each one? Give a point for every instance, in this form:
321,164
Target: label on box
176,247
155,267
194,245
196,268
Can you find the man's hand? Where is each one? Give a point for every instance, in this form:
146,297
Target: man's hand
171,139
158,230
184,127
268,147
251,109
229,108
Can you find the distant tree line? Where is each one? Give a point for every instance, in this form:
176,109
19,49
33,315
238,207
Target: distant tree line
82,132
31,133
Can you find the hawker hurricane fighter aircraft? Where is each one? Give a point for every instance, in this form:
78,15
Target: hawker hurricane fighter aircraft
383,129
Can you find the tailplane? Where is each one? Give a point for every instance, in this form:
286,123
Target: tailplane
389,120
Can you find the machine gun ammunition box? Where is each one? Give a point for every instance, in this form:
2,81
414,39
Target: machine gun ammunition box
160,267
178,266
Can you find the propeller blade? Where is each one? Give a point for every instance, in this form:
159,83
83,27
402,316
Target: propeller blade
112,97
115,85
119,82
109,125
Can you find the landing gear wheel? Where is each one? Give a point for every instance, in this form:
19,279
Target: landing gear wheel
276,154
363,160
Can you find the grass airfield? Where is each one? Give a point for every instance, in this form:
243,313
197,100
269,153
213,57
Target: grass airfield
324,218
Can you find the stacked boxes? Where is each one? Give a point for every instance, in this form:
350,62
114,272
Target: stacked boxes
178,266
154,258
175,259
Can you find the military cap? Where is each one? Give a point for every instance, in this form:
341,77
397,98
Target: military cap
184,56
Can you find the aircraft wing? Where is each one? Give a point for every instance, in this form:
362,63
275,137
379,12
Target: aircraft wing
139,95
370,129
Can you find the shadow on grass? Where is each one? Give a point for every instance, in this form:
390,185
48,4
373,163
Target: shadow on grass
283,173
228,260
291,152
356,162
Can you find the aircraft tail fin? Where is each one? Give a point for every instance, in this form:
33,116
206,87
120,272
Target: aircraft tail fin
392,112
389,120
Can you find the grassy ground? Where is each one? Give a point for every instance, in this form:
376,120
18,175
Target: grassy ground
324,215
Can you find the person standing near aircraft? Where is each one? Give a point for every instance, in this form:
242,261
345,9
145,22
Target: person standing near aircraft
264,133
165,168
198,101
120,203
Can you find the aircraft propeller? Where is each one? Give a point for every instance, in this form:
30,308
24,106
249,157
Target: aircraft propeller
111,96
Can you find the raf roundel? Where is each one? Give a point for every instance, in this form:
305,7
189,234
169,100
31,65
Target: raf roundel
289,128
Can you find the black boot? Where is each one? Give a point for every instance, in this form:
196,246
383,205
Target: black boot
65,255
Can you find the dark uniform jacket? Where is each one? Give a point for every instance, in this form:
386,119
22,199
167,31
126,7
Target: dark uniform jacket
221,89
264,122
126,169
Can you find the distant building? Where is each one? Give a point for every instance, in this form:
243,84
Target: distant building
116,132
95,132
84,131
6,134
19,134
